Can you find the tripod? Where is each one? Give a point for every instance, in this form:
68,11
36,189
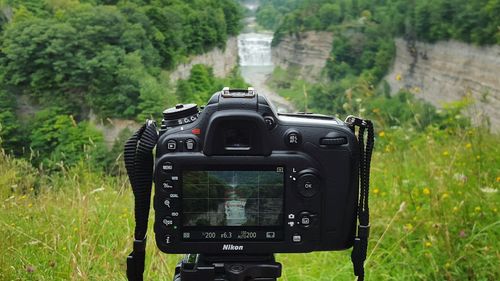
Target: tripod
200,267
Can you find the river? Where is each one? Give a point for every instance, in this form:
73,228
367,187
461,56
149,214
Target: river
255,59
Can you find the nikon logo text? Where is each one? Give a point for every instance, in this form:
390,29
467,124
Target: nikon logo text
231,247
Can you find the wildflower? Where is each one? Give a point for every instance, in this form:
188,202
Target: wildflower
408,227
376,191
446,153
460,177
462,234
23,197
455,209
445,195
468,146
30,205
426,191
498,179
488,189
428,244
381,134
398,77
477,209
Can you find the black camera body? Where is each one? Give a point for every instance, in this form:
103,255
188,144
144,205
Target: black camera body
239,178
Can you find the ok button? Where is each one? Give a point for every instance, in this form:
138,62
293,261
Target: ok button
308,185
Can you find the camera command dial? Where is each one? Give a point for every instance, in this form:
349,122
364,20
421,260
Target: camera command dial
179,115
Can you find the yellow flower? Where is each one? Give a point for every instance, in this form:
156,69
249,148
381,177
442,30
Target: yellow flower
426,191
445,195
455,209
398,77
30,205
447,265
468,146
381,134
477,209
446,153
498,179
408,227
376,190
428,244
478,157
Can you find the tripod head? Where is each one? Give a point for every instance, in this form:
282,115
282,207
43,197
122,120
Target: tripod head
199,267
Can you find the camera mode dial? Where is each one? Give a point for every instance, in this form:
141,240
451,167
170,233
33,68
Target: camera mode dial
179,115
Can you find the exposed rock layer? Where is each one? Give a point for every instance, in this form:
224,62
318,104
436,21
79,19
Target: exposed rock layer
222,61
308,51
447,71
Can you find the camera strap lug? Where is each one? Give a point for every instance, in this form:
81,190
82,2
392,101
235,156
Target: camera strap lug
138,156
360,247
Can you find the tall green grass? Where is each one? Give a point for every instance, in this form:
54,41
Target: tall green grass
434,202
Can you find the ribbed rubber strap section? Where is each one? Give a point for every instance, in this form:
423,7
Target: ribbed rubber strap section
138,156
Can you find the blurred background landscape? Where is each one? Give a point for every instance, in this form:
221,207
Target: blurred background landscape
77,77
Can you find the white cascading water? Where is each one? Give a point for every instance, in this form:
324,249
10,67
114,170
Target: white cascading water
256,65
254,49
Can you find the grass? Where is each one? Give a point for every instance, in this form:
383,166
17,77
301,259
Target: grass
434,202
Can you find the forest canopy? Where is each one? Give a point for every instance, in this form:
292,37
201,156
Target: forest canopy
66,61
427,20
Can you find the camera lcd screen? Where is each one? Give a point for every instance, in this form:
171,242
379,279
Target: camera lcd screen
236,198
233,205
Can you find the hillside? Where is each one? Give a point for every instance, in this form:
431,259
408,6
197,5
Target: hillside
65,63
364,48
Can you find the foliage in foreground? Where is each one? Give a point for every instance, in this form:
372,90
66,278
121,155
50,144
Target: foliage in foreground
434,203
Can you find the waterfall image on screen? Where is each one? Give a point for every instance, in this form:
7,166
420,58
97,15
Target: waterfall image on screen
232,198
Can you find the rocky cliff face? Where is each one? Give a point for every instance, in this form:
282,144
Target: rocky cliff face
447,71
308,51
222,61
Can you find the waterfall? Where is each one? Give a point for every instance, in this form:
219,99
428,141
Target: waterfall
254,49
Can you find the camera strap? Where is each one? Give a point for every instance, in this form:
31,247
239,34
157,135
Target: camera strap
138,156
360,247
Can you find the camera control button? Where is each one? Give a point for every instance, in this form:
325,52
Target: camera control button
308,185
293,138
190,144
167,167
168,239
168,184
172,145
269,122
168,221
296,238
306,219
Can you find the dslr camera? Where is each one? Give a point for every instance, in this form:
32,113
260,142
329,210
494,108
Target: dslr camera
238,177
236,182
